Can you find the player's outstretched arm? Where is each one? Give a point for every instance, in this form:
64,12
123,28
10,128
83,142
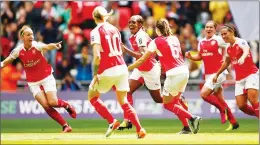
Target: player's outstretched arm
96,61
140,61
7,61
134,54
193,57
52,46
224,66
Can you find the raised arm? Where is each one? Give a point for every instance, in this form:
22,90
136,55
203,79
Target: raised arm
193,57
224,66
140,61
7,61
134,54
51,46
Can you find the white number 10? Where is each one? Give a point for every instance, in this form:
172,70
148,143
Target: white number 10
114,51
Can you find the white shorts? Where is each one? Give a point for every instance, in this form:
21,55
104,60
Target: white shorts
48,84
221,79
250,82
151,78
175,84
107,82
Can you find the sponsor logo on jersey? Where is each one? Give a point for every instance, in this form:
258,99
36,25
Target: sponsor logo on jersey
31,63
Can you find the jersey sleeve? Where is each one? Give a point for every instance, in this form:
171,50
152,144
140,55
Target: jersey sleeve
199,46
95,37
221,42
152,46
226,50
39,45
15,52
243,44
141,40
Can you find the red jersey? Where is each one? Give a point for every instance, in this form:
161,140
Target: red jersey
211,53
142,39
235,52
35,65
169,52
109,38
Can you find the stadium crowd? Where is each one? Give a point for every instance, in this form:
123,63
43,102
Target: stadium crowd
71,23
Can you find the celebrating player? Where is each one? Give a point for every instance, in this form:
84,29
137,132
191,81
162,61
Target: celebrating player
39,75
168,49
247,74
211,48
148,73
109,70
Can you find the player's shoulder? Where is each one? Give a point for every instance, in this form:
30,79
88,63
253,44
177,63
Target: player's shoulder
19,46
241,41
141,33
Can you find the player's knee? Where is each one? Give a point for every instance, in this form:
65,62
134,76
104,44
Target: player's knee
241,106
158,100
203,95
53,102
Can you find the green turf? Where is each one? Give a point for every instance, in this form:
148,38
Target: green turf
100,126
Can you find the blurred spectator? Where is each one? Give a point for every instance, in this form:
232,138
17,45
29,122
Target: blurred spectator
62,68
49,34
83,65
69,84
159,9
10,76
219,10
195,66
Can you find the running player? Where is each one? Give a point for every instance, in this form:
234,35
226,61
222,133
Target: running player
247,74
148,73
109,70
167,47
39,76
211,48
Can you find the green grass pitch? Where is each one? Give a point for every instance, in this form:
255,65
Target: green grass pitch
159,131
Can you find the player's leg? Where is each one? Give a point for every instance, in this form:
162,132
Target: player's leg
41,98
252,86
233,122
241,98
104,85
121,91
172,89
135,82
53,100
253,99
243,106
208,95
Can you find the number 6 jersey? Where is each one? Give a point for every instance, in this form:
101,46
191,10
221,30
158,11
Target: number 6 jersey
111,54
170,55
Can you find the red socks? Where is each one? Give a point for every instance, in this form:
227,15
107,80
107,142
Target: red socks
248,110
55,116
213,100
183,120
62,103
256,109
101,109
177,109
131,114
130,100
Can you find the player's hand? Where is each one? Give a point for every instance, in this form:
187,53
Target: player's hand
241,60
123,47
214,80
95,80
188,55
58,45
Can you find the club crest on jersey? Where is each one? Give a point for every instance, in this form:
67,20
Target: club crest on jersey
140,41
213,43
33,51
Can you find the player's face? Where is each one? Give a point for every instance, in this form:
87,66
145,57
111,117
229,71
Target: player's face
133,25
28,35
210,29
226,35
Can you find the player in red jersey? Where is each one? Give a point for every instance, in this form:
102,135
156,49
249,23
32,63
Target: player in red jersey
247,74
211,48
167,47
109,70
39,75
149,73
